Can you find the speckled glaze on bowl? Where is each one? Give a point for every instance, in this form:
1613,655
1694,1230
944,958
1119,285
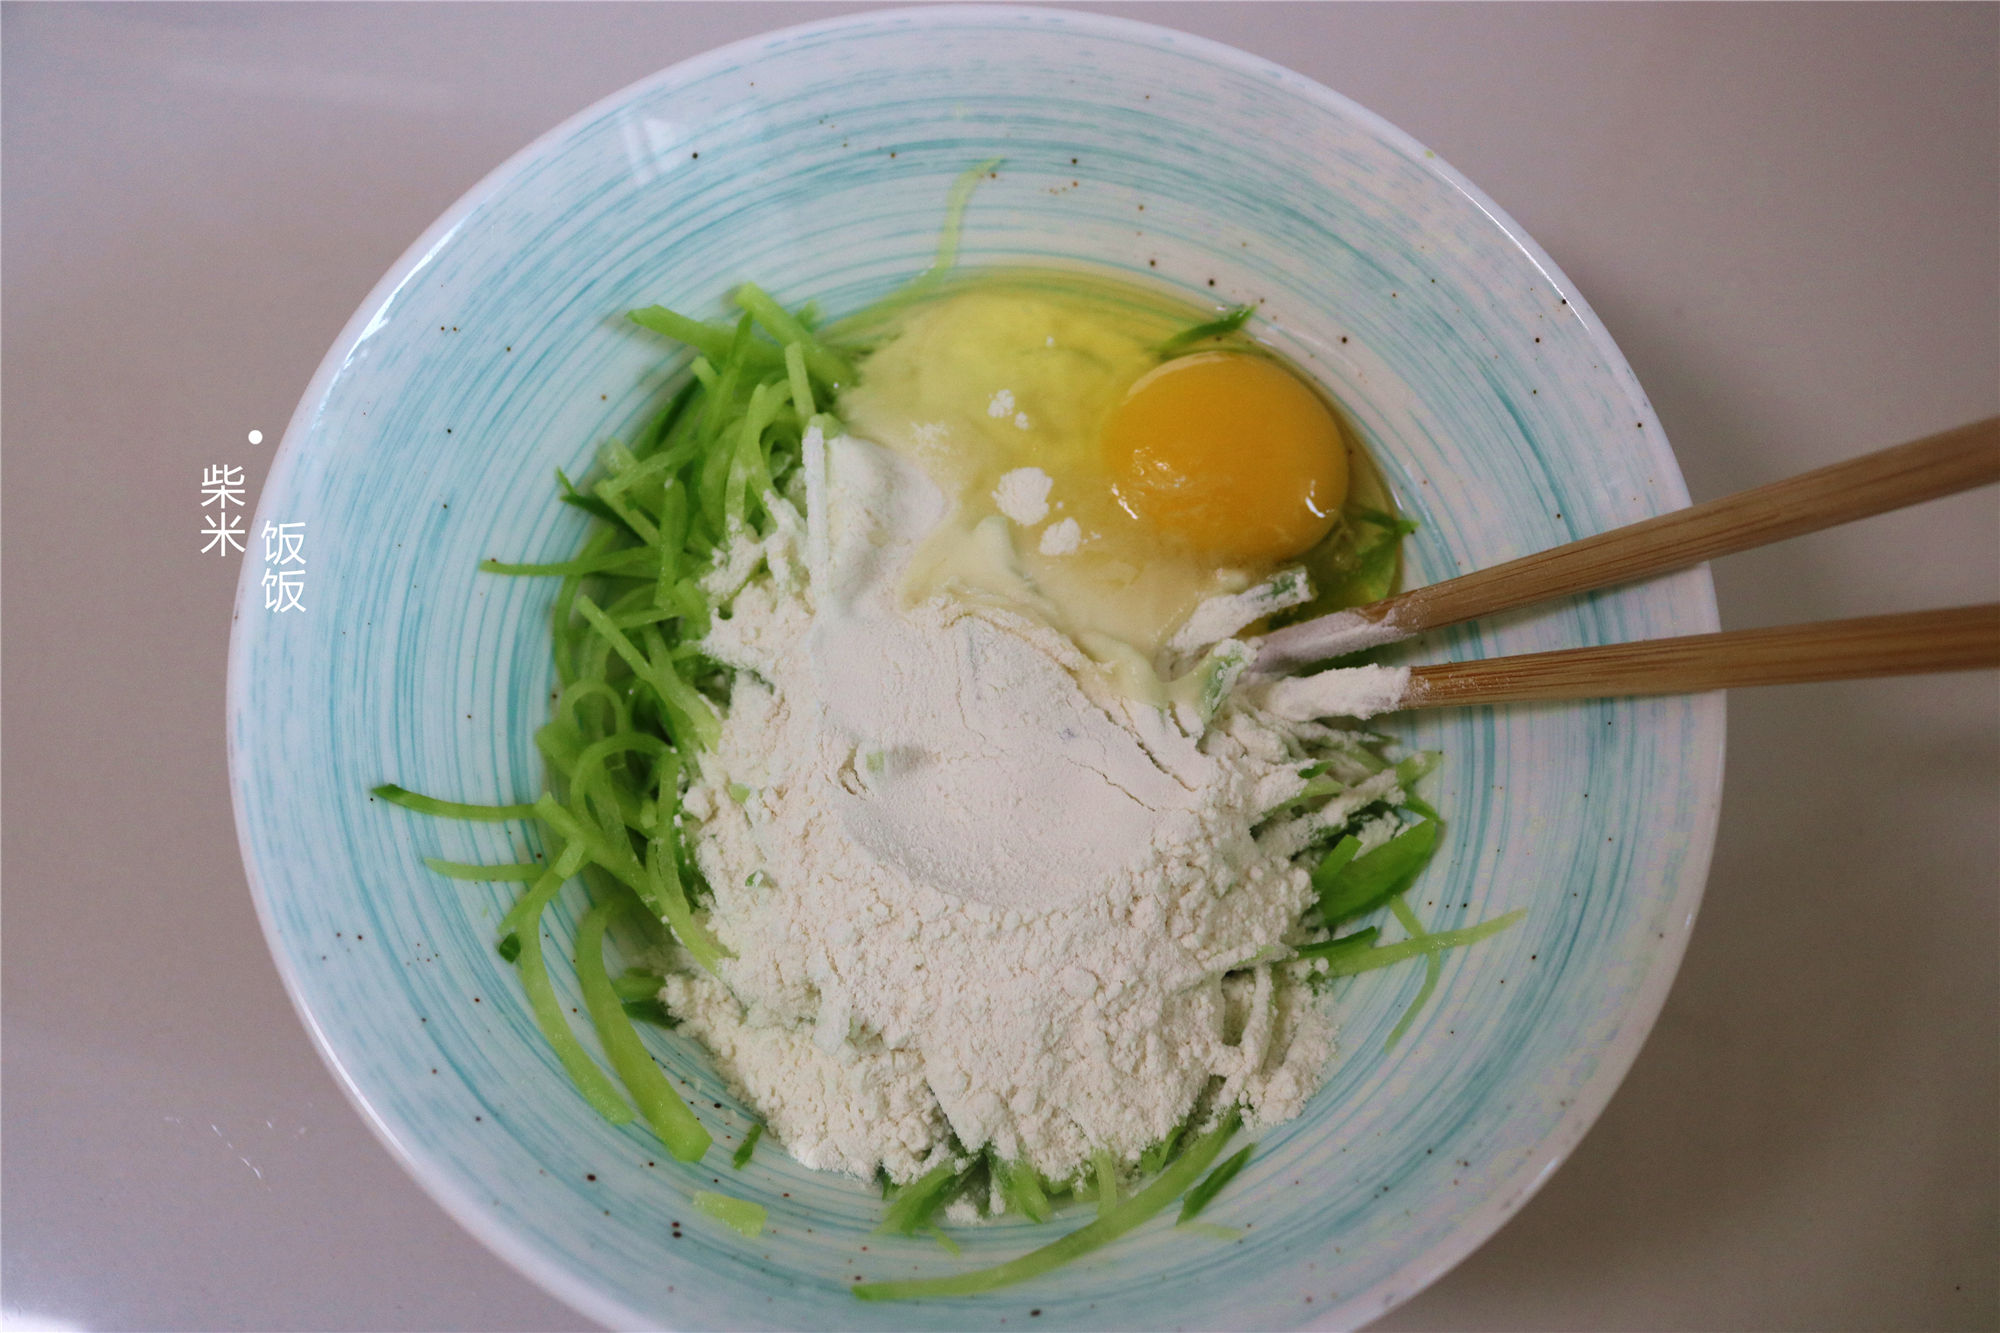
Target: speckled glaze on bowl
816,161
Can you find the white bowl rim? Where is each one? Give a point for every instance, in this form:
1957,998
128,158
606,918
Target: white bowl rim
1507,1196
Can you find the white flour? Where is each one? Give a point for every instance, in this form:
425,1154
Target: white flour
1327,637
967,898
1361,691
1062,538
1023,495
1002,406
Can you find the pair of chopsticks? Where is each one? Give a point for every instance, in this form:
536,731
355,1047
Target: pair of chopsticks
1955,639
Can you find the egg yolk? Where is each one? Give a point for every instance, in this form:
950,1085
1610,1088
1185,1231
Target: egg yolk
1228,454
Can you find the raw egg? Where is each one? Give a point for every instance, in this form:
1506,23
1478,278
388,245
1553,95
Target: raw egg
1121,490
1229,455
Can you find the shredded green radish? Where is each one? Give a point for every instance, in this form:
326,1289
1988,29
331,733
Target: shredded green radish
1023,1188
1433,969
1363,883
527,909
919,1201
657,1101
635,983
1203,1194
425,805
1157,1156
1109,1226
1210,1229
583,1071
1220,327
954,218
1105,1168
741,1157
1343,946
1352,884
1367,960
524,872
739,1215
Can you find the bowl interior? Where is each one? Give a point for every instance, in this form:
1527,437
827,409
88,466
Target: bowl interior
816,161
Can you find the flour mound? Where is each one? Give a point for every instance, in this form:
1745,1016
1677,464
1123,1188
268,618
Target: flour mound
968,898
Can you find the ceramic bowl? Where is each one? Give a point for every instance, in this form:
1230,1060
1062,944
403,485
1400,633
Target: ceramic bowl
816,161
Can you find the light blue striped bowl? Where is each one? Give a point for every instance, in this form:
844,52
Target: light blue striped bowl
816,162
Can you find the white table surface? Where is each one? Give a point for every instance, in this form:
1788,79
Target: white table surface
1788,217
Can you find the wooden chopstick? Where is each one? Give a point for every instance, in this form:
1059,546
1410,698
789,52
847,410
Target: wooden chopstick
1962,638
1925,469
